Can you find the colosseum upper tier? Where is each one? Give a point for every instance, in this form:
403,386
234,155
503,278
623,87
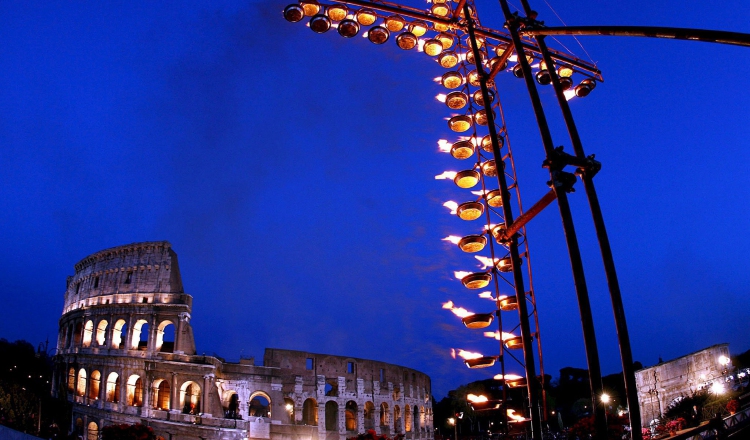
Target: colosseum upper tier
126,354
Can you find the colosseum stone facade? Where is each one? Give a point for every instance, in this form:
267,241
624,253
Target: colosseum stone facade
126,354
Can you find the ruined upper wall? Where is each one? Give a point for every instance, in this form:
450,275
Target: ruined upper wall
137,268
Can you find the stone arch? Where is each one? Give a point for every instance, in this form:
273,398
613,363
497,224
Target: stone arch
113,388
332,416
231,402
190,398
422,421
119,333
384,419
350,415
95,385
88,331
310,412
163,331
92,431
139,339
161,392
289,409
369,415
135,390
81,383
259,405
78,334
101,332
397,418
71,380
407,418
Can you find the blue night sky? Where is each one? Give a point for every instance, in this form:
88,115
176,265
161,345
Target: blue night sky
293,173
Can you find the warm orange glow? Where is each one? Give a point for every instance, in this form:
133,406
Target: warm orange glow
513,417
496,335
486,261
441,97
487,295
453,239
476,399
453,206
444,146
507,377
569,94
446,175
463,354
458,311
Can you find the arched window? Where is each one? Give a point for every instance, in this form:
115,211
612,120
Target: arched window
113,388
101,332
165,337
135,390
93,431
289,409
88,331
397,418
190,398
310,412
407,418
72,380
351,415
232,408
417,415
119,334
260,405
81,386
96,379
140,335
78,334
161,393
383,414
332,416
369,415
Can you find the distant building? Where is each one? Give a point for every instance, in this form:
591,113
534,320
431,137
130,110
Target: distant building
126,354
666,382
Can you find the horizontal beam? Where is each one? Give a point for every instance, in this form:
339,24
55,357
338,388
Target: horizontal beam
709,36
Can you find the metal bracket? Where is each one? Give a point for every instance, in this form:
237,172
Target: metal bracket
562,180
560,159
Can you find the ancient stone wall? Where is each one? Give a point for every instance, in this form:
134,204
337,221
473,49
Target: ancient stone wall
126,354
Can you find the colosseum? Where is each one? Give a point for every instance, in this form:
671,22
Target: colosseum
126,355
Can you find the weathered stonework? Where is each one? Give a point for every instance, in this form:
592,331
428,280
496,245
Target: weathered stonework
126,354
660,385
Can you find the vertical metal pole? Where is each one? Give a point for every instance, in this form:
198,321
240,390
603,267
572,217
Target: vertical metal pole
587,321
528,351
626,355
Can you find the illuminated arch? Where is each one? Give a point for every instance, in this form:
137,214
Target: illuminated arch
369,415
161,344
136,342
350,415
93,431
407,418
135,390
88,331
161,392
95,384
190,398
260,404
71,380
101,332
113,388
310,412
384,419
117,333
81,383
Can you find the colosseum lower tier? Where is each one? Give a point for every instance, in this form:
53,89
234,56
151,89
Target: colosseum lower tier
126,355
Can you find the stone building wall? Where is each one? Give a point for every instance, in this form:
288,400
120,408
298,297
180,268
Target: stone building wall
660,385
126,354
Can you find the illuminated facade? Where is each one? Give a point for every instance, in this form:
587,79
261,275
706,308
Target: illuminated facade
126,354
667,382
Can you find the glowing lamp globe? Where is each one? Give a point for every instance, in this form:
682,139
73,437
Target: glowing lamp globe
466,179
462,150
470,210
407,41
472,243
378,35
348,28
456,100
459,123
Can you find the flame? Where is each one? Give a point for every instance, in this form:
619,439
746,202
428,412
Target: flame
462,57
460,274
463,354
446,175
420,45
458,311
486,295
452,238
513,58
444,146
453,206
441,97
486,261
507,377
496,335
569,94
438,79
364,34
481,192
514,417
476,399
